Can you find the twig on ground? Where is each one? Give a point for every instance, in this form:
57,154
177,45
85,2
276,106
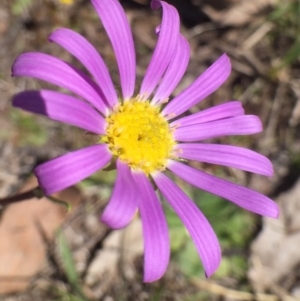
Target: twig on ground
255,37
33,193
270,130
233,294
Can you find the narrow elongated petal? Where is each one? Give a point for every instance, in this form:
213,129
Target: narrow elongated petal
241,196
53,70
175,71
198,226
86,53
124,200
61,107
208,82
227,155
121,39
240,125
155,230
69,169
226,110
166,44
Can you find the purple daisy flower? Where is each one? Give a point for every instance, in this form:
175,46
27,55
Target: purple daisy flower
142,138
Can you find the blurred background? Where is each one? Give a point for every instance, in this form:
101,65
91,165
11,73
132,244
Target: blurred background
49,253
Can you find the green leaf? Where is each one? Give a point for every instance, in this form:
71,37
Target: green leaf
69,267
19,6
293,54
68,262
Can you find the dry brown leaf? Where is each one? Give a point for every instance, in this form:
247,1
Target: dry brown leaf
120,248
22,226
275,253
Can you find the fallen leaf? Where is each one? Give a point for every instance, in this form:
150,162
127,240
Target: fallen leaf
22,246
275,252
120,249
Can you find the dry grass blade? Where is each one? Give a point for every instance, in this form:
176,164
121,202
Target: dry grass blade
231,294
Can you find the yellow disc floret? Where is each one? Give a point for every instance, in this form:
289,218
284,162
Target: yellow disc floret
139,135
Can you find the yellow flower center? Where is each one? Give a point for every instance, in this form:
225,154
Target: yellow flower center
139,135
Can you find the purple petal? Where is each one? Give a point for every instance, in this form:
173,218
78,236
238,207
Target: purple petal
227,155
226,110
239,125
55,71
71,168
117,27
61,107
175,71
124,200
85,52
208,82
241,196
198,226
166,44
155,230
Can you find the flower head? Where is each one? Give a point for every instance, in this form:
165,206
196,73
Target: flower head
143,138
